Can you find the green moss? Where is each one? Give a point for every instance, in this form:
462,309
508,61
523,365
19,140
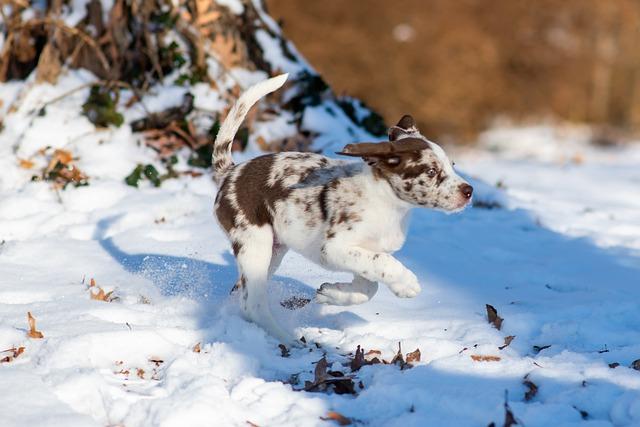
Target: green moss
100,107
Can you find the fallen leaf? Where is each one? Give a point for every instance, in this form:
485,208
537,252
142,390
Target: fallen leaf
482,358
414,356
398,359
341,383
262,143
373,356
614,365
538,348
337,417
156,361
15,352
583,414
492,316
224,49
507,341
509,418
636,365
284,351
26,164
358,360
33,333
196,348
140,373
533,388
102,296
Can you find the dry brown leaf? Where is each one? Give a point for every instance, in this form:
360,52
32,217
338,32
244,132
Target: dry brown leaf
224,48
284,351
372,355
398,359
414,356
155,360
533,389
140,373
358,360
49,64
26,164
323,379
262,143
337,417
507,341
92,282
509,418
196,348
63,156
493,318
206,19
33,333
485,358
102,296
15,352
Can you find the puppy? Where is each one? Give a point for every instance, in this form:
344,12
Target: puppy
345,216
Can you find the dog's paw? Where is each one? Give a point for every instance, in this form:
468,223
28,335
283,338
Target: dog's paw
408,288
339,294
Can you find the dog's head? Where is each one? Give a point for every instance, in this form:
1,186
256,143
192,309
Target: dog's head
418,170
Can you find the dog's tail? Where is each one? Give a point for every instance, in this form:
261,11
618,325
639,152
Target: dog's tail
222,160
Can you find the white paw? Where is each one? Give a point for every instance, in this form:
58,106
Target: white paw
408,288
339,294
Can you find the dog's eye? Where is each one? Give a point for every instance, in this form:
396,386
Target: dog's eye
432,173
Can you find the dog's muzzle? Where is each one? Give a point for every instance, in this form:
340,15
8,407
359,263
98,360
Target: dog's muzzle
466,190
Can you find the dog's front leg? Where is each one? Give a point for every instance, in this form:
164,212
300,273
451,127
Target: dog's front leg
373,266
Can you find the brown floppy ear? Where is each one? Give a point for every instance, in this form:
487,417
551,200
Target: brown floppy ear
406,125
370,151
367,149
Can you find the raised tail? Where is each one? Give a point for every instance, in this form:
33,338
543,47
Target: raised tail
222,160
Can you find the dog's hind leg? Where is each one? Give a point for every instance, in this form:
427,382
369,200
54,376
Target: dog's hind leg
359,291
254,259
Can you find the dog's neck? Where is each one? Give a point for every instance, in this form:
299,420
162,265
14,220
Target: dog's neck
383,193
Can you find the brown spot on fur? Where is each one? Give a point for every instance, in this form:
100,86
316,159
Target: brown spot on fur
322,199
225,212
256,198
308,207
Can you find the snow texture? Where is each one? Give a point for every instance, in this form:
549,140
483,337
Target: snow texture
553,244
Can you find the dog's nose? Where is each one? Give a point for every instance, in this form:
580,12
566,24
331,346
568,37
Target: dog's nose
466,190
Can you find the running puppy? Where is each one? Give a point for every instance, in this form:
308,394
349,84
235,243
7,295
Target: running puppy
345,216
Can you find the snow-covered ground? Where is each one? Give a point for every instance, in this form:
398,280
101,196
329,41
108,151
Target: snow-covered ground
559,258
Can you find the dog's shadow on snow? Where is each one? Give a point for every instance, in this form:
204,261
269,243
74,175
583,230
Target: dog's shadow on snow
212,283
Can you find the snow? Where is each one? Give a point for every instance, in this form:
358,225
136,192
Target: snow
557,255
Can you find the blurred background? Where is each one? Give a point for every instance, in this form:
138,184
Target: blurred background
459,66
